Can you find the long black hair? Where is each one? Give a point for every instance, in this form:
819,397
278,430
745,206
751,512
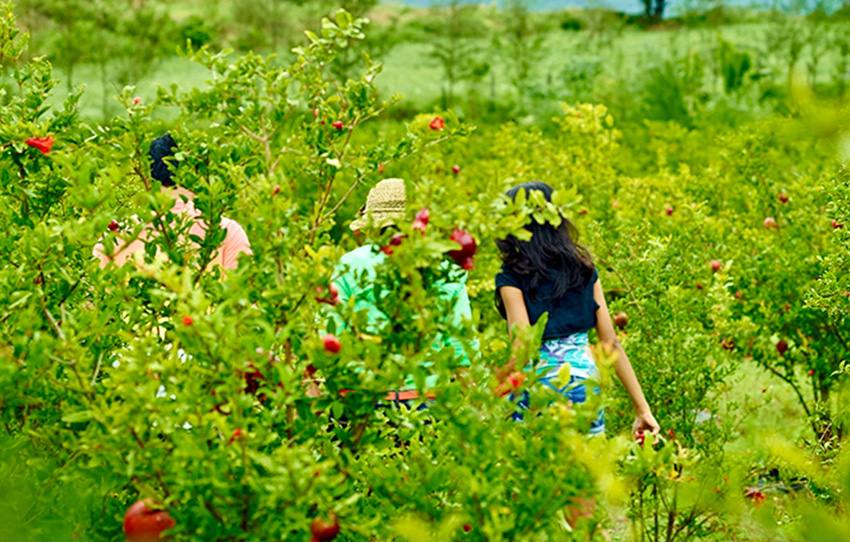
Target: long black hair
552,255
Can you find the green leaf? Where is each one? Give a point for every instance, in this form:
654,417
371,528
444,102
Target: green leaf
413,529
343,19
77,417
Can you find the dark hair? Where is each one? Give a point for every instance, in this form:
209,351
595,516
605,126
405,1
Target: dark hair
551,255
162,148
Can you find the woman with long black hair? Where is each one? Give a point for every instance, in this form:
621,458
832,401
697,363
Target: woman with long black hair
551,273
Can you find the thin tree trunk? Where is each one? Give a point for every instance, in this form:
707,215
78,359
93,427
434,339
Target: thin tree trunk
104,102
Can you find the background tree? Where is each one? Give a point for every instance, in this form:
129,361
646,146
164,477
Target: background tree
520,43
457,49
654,9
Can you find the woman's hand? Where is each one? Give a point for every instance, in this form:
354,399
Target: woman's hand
645,421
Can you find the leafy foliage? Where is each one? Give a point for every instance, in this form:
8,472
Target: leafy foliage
211,393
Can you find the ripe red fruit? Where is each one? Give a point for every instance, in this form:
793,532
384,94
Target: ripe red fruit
113,226
467,527
468,247
420,221
781,347
237,434
811,372
698,286
332,298
755,495
137,100
770,223
437,124
455,169
467,243
276,190
331,344
836,224
515,379
739,294
395,241
640,438
253,379
669,210
41,144
187,320
338,125
143,522
380,168
783,197
325,531
621,319
716,265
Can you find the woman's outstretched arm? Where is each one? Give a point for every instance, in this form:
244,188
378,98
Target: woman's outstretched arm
516,315
644,420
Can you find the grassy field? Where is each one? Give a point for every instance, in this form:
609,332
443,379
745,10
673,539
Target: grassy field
412,73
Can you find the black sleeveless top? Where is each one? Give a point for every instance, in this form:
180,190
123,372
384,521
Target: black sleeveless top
574,312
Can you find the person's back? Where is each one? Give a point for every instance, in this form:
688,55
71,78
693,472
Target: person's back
570,316
355,279
551,273
358,269
227,254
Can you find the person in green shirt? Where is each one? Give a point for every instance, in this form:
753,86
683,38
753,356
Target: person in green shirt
356,274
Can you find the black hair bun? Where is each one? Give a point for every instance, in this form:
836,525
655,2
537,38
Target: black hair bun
162,148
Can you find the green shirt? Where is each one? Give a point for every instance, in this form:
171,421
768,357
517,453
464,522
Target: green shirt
355,277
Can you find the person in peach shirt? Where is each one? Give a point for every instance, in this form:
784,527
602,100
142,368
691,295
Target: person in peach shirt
235,241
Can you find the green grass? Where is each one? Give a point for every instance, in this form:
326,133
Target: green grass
411,72
763,404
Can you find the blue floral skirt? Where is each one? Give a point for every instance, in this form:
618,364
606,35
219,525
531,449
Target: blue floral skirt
554,353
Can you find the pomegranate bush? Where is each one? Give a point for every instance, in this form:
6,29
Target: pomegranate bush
185,388
250,404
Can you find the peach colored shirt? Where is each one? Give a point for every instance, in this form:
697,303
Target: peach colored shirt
235,240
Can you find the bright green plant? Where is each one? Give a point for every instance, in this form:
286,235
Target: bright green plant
214,396
456,50
179,385
732,66
521,44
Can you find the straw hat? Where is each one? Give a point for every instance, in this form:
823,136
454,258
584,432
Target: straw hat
384,205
